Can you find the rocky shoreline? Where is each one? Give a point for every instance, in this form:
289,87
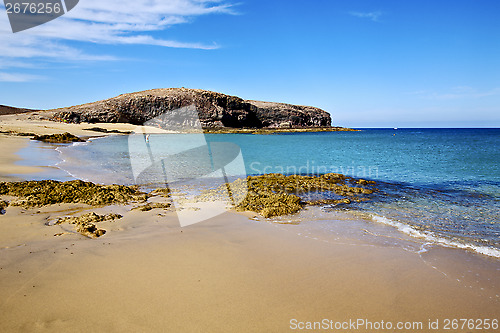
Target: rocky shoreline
228,130
276,194
269,195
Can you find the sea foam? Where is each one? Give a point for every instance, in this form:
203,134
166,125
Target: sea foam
433,239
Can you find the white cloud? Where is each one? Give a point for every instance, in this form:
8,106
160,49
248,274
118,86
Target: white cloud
17,77
127,21
374,16
15,64
108,22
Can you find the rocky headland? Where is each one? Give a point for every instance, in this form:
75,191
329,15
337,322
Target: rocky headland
216,111
4,110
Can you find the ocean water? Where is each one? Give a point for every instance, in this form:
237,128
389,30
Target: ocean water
441,185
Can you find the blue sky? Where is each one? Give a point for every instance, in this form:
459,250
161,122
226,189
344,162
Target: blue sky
369,63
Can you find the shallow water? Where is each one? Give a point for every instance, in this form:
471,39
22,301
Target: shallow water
441,185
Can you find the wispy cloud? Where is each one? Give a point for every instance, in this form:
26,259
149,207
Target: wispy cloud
110,22
373,16
17,77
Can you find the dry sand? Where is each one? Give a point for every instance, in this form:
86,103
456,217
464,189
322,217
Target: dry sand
227,274
35,123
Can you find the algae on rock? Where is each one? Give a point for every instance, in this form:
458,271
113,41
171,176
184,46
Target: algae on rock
85,224
48,192
163,191
58,138
270,204
276,194
152,205
3,205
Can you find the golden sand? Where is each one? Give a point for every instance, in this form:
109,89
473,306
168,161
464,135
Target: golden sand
147,274
227,274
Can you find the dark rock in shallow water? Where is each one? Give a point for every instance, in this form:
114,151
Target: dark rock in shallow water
58,138
215,110
103,130
277,194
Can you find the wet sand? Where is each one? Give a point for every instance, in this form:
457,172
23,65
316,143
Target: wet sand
9,146
226,274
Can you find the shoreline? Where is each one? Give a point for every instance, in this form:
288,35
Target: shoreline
39,123
17,142
10,146
229,130
236,271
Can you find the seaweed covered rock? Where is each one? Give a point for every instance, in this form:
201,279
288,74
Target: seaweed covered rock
298,184
85,224
162,191
104,130
3,205
277,194
58,138
152,205
270,204
48,192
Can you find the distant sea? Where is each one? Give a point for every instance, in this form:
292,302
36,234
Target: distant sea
442,185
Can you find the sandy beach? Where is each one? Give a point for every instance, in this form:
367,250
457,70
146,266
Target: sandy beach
220,166
228,274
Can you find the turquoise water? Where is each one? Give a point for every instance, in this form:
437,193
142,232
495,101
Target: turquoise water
439,184
416,156
442,183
